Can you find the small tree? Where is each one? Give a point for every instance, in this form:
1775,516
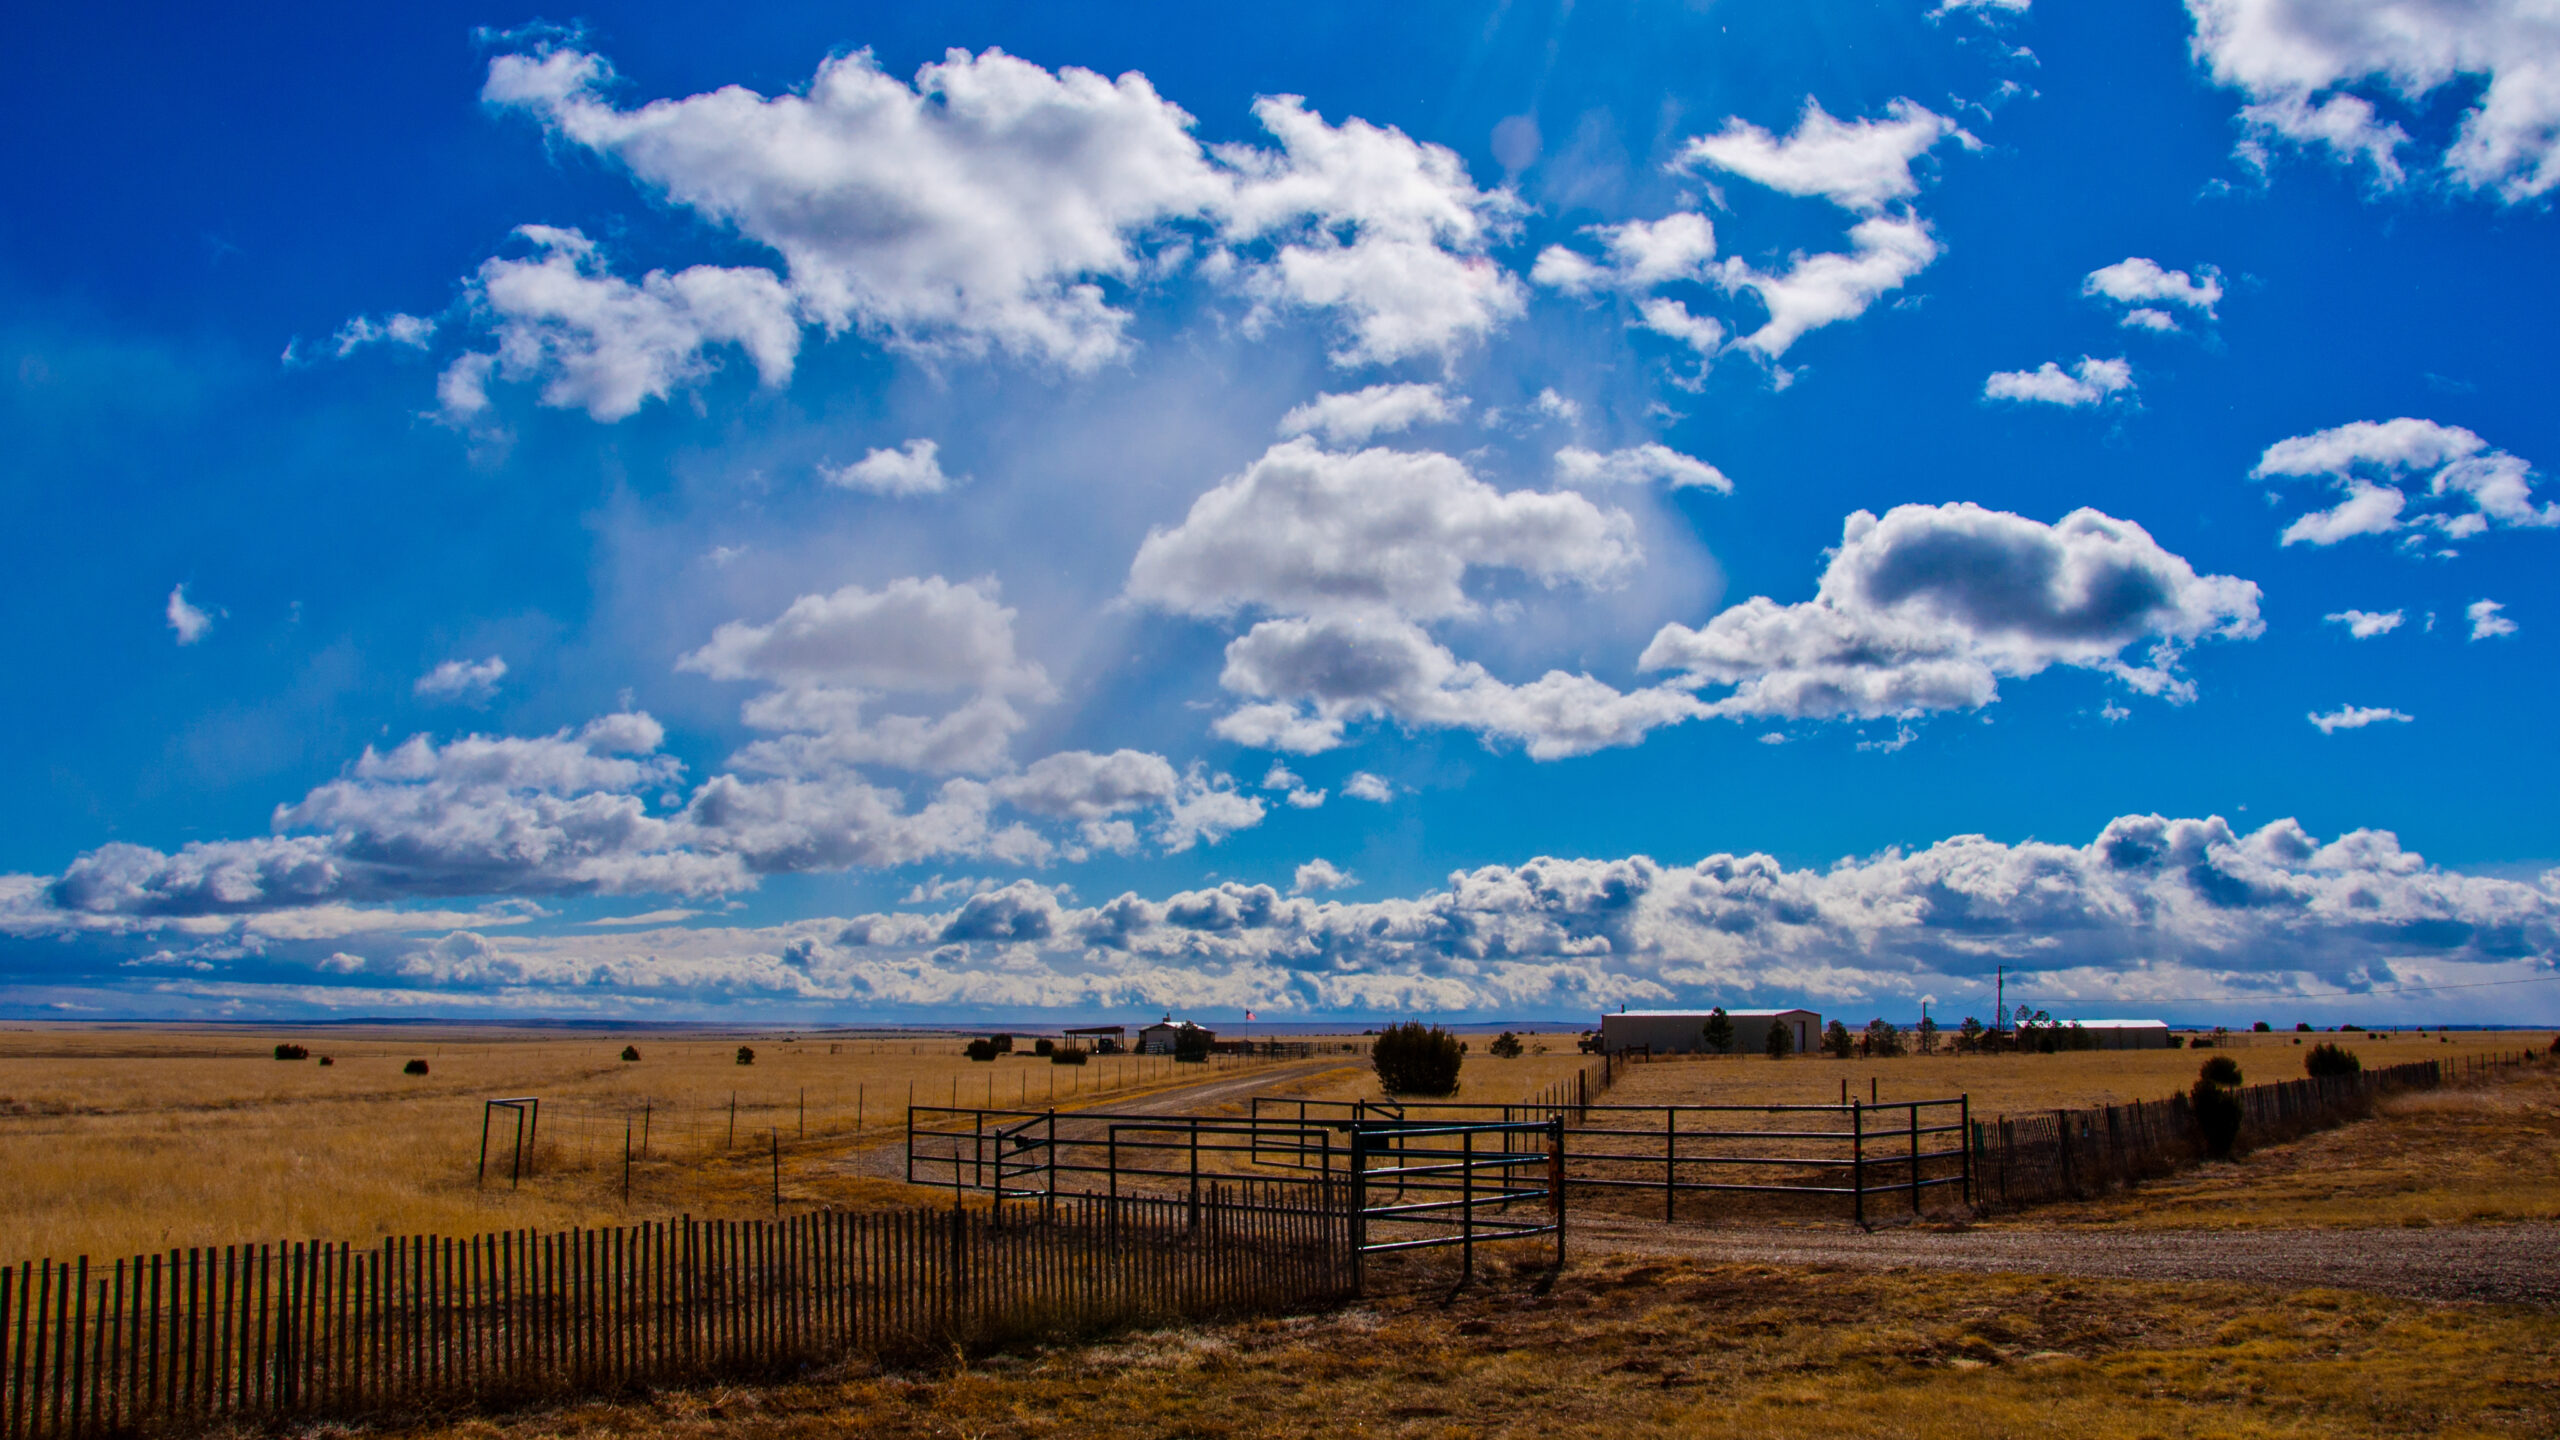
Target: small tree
1835,1038
1002,1042
1882,1038
1928,1035
2262,1027
292,1052
630,1053
978,1049
1780,1043
414,1067
1191,1045
1044,1047
2325,1061
1969,1036
746,1055
1417,1059
2217,1107
1719,1032
1505,1046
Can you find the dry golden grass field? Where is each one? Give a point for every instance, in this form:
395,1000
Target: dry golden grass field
120,1140
117,1140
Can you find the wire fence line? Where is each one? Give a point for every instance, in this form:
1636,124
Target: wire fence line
203,1338
2073,1154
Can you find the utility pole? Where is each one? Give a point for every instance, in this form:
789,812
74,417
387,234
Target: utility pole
2000,998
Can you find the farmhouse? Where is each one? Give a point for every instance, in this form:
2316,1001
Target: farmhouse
1162,1037
2125,1034
1683,1032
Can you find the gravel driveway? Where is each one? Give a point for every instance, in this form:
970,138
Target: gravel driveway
2515,1264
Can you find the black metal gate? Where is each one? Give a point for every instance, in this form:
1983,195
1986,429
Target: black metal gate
1442,1185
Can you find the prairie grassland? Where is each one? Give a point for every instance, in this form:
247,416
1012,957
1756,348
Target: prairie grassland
115,1141
2020,1084
1678,1349
2473,1154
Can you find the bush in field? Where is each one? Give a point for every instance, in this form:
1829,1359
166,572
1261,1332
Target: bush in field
325,1060
414,1067
1068,1055
980,1049
1969,1036
746,1055
2262,1027
1191,1046
630,1052
1718,1033
1044,1047
2217,1107
1417,1059
2328,1061
1505,1046
1928,1035
1836,1039
1881,1038
1780,1044
1003,1043
292,1052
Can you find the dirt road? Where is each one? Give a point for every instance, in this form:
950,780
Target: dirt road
2515,1264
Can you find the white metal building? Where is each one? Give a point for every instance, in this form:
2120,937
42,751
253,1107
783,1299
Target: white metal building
1683,1032
1161,1037
2125,1034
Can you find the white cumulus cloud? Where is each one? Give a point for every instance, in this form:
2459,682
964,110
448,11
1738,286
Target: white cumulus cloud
1634,256
2090,382
2469,485
2486,622
2313,70
1825,289
1303,530
2356,717
2142,286
1356,418
1858,165
467,680
186,621
914,469
1320,874
2365,624
1929,607
1639,465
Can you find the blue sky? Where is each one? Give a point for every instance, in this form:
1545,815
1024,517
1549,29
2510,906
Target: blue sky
1489,511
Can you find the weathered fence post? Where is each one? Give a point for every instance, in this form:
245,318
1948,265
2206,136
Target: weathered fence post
1857,1161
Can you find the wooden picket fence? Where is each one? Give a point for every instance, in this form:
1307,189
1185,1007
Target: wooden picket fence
254,1334
2066,1154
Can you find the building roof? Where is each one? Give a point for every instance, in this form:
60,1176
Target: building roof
2118,1024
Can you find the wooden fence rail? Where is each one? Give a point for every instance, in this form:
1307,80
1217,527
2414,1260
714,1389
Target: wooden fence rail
198,1338
2063,1154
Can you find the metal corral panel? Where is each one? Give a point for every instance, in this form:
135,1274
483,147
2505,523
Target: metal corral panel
1683,1032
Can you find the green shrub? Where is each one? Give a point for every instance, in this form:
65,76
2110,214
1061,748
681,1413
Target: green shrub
1882,1038
1068,1055
1835,1038
980,1049
1002,1042
2221,1070
746,1055
1044,1047
2217,1117
1505,1046
1780,1043
630,1053
1191,1046
1417,1059
326,1060
2326,1061
414,1067
2262,1027
292,1052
